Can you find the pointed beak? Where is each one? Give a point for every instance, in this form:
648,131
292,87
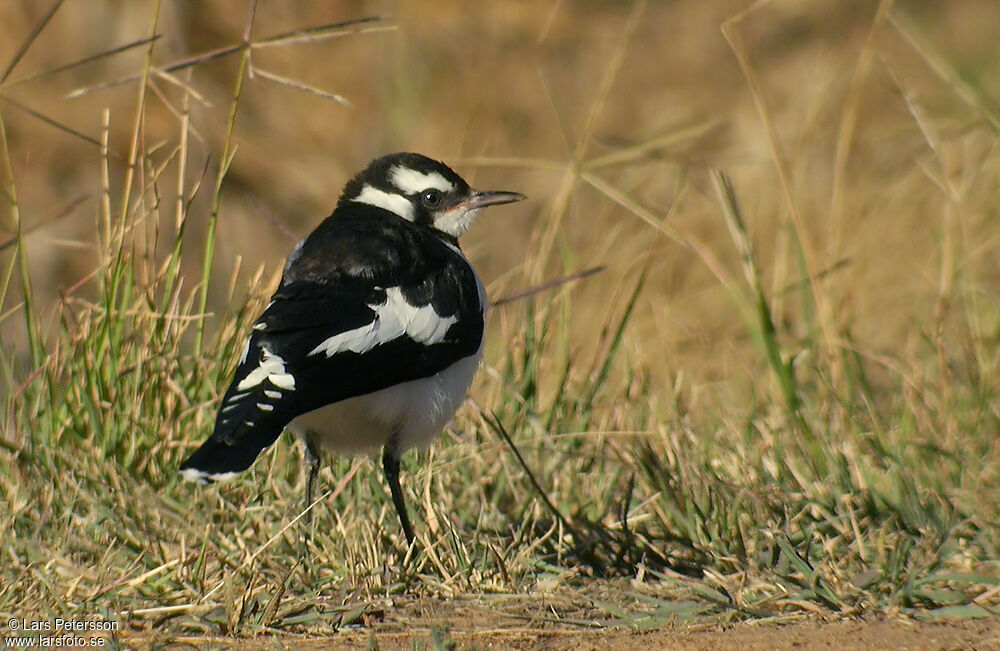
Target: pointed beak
483,199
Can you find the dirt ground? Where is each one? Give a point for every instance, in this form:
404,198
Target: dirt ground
747,636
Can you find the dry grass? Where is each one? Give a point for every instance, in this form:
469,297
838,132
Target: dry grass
780,395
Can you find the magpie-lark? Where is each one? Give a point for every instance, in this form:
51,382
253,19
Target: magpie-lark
373,335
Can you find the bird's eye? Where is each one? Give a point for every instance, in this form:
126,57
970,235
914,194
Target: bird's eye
430,198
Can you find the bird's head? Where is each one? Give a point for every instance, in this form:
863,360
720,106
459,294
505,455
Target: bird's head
423,191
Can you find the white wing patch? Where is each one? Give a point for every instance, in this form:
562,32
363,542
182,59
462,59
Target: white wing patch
393,319
413,181
272,368
394,203
246,349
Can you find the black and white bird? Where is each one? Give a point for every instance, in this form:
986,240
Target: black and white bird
373,335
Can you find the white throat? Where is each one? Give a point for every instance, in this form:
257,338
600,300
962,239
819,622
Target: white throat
456,221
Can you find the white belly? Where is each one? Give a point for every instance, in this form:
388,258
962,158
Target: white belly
416,410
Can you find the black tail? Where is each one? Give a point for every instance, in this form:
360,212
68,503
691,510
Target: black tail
218,459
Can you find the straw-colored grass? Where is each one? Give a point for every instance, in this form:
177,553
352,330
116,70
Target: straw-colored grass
779,395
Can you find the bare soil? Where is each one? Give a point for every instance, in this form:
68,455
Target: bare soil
744,636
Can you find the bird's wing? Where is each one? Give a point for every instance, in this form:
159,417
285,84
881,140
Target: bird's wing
321,342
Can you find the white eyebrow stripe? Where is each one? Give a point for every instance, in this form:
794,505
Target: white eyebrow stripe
413,181
394,203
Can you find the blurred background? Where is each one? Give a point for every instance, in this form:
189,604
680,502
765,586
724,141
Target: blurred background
860,138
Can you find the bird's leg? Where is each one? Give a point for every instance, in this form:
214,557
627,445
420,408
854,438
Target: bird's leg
390,465
310,455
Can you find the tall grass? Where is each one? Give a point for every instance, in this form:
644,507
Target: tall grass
844,483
